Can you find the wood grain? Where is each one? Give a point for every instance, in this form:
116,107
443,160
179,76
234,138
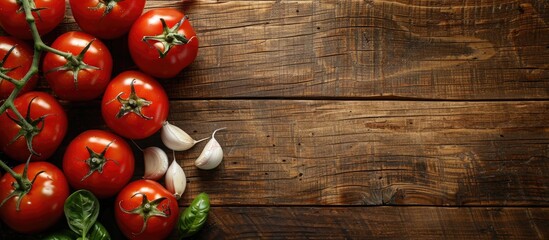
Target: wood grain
288,152
354,119
427,49
376,223
364,49
359,223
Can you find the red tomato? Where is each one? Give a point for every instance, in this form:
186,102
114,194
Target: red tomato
42,206
50,126
146,53
93,72
134,112
106,19
49,14
15,64
149,198
98,161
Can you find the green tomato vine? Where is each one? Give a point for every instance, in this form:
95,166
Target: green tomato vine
39,47
24,184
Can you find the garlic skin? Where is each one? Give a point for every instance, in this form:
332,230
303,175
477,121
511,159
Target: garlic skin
176,181
211,155
176,139
156,163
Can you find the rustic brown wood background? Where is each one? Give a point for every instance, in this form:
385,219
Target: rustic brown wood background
359,119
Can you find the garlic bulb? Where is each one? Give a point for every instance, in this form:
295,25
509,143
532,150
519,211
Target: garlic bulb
211,155
156,163
176,181
176,139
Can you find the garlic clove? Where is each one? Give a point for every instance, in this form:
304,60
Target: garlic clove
176,139
176,181
211,155
156,163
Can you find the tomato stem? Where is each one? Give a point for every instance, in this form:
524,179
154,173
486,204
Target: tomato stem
7,168
96,162
30,129
169,38
22,184
74,63
108,4
134,104
4,71
148,209
13,81
28,7
47,48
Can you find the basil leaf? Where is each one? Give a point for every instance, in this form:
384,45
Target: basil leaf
81,210
64,234
98,232
193,218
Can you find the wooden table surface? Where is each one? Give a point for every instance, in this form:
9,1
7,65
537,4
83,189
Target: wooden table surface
360,119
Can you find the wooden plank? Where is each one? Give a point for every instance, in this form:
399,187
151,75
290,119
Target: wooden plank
361,49
280,152
357,223
376,223
356,48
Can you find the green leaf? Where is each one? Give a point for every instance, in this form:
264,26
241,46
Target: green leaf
193,218
98,232
81,210
64,234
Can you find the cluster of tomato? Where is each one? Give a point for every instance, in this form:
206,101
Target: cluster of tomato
78,67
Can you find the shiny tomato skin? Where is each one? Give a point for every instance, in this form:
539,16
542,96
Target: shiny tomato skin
132,125
13,21
20,60
116,172
130,224
42,207
91,82
54,127
116,23
147,58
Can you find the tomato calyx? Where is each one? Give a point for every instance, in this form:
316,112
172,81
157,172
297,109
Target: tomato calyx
22,184
4,71
147,209
75,64
134,104
29,128
168,38
32,5
107,4
97,161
